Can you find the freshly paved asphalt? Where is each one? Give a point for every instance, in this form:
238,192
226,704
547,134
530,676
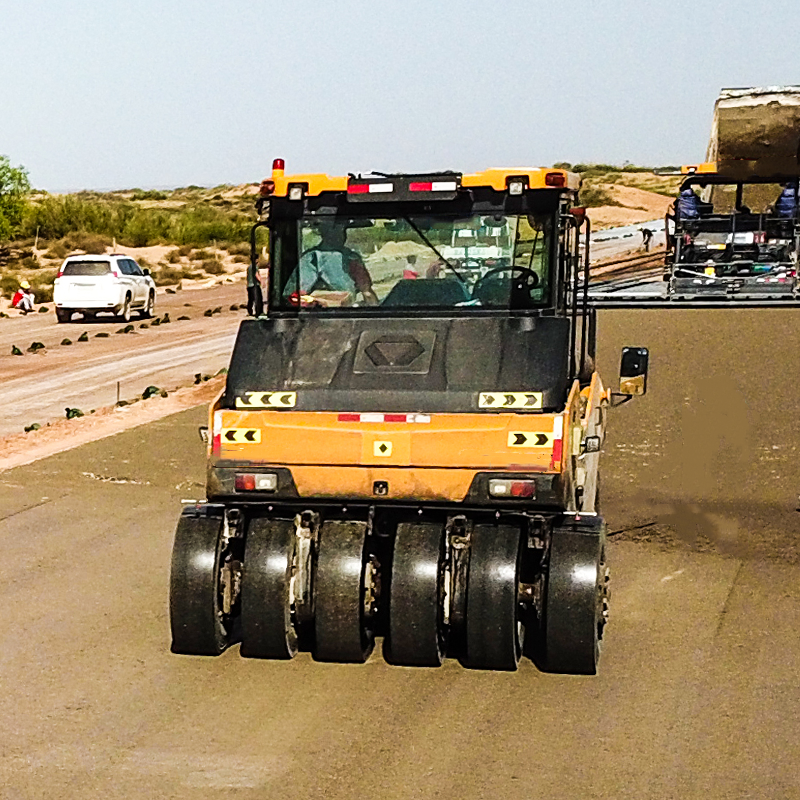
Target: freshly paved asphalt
698,691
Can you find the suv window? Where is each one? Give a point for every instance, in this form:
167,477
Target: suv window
90,268
134,268
125,266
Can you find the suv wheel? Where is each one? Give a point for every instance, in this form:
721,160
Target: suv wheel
63,314
149,307
125,314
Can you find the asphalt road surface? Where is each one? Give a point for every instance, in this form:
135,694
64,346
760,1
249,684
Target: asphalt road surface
37,387
698,691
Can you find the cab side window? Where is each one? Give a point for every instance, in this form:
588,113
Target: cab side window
135,268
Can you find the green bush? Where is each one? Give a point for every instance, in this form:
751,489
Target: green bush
145,227
194,225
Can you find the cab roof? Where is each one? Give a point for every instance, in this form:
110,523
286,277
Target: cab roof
496,178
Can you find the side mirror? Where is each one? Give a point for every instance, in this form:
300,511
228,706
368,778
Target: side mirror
203,431
146,271
633,371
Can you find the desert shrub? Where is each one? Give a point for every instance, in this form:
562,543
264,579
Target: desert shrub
8,284
148,194
147,226
185,250
201,225
173,257
88,242
110,215
56,217
58,249
213,266
237,248
240,258
203,255
594,196
42,286
166,274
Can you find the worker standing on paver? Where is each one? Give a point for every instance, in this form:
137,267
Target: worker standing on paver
647,237
23,298
786,204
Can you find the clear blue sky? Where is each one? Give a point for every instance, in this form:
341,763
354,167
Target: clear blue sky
123,94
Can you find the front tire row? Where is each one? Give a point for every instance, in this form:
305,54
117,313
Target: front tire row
486,592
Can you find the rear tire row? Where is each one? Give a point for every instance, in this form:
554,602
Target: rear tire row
424,611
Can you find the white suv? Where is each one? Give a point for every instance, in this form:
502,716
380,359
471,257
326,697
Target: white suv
93,284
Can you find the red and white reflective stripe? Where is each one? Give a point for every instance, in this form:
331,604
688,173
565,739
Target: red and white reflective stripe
216,433
558,442
433,186
384,418
370,188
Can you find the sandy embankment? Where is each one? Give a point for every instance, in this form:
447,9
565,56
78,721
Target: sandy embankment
64,434
636,205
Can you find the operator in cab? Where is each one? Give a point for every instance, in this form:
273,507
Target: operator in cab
332,267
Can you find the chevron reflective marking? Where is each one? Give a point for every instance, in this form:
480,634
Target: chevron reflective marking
241,435
267,400
505,400
531,439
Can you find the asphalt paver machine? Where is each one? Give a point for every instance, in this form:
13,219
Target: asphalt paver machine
407,446
730,238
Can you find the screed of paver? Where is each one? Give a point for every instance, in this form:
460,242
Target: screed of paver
692,699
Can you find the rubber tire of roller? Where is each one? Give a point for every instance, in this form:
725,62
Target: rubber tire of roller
570,607
340,633
194,601
415,597
267,628
493,611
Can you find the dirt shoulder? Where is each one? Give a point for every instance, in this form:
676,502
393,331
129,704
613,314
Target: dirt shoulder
64,434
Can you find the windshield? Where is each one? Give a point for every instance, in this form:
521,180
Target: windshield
446,261
86,268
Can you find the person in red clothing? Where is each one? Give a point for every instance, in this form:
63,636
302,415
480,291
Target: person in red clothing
23,298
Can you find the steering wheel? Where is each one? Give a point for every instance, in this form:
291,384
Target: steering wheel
529,280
